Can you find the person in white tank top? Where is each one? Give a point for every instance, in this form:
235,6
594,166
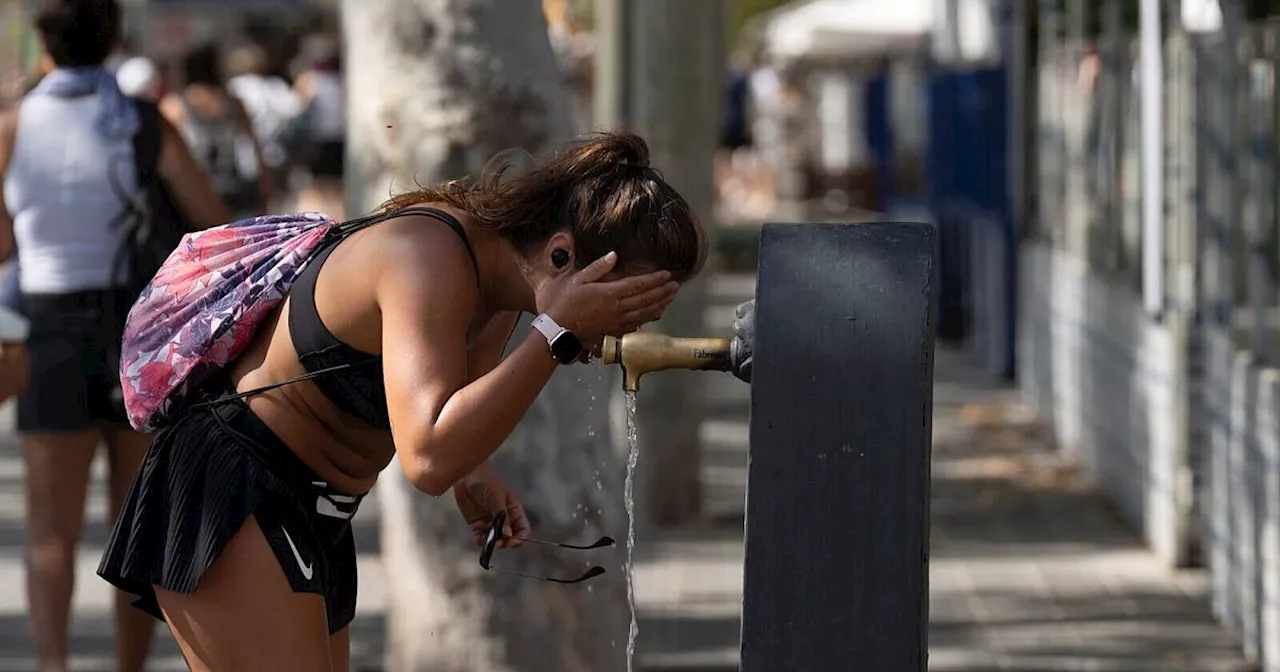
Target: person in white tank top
68,167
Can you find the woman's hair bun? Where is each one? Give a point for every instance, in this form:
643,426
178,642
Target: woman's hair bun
620,147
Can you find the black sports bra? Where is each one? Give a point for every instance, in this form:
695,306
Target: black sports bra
351,379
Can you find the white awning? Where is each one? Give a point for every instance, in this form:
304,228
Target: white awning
869,29
850,29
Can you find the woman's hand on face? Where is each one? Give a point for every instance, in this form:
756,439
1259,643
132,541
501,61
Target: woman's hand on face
591,307
480,496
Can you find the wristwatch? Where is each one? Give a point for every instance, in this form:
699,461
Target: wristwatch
565,347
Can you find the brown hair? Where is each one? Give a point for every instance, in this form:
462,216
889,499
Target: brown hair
78,32
601,190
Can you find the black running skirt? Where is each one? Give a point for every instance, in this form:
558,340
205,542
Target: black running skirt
200,481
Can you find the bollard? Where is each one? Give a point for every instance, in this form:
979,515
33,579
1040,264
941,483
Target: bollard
841,417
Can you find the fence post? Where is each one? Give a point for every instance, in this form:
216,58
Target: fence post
1151,91
1230,62
1257,199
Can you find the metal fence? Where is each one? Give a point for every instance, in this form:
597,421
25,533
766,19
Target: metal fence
1174,411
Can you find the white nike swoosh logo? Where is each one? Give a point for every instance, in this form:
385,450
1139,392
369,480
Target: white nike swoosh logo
306,569
325,507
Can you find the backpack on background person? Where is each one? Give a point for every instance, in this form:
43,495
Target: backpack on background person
151,224
217,144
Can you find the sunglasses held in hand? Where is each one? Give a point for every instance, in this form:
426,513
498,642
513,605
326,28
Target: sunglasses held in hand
495,535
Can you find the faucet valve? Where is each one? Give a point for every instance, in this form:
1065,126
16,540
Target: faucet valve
640,352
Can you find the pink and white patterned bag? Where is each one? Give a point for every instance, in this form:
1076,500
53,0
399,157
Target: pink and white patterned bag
205,304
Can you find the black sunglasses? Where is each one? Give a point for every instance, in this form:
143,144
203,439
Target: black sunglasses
495,534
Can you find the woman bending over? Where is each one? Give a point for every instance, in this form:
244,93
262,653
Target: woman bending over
237,529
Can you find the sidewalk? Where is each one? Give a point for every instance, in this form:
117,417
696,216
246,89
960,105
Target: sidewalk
1029,571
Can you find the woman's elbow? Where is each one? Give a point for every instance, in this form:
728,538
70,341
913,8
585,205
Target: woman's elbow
426,477
433,485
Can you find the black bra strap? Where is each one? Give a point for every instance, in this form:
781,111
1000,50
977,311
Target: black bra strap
267,388
348,228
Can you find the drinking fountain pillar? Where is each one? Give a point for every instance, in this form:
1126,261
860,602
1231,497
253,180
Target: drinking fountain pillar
837,536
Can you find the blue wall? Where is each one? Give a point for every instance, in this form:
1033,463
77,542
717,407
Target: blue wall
879,132
969,196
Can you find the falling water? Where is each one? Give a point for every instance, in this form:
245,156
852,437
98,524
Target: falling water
632,457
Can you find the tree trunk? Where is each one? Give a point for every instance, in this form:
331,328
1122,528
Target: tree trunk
677,56
435,88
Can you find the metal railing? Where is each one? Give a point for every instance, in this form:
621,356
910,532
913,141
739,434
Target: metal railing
1220,255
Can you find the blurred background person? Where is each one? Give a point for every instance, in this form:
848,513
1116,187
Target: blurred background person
219,133
735,132
320,138
65,157
272,105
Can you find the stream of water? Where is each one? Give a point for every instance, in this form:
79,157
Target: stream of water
633,456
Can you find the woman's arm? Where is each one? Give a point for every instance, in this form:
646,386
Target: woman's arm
187,180
487,352
492,340
443,426
8,133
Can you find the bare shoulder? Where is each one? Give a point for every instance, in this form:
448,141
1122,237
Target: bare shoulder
172,108
416,233
420,250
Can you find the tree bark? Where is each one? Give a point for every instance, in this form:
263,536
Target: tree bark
434,89
677,57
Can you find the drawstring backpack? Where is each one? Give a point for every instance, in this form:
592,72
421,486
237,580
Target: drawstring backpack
204,305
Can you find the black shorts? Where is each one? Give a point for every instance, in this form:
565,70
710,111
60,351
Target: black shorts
74,348
201,480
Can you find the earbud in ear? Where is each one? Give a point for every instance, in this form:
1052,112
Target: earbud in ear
560,257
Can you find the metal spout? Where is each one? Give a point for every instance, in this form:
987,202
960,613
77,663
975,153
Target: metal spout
640,352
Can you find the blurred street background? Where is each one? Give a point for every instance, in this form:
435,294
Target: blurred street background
1103,173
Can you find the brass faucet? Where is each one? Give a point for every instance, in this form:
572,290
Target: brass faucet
640,352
